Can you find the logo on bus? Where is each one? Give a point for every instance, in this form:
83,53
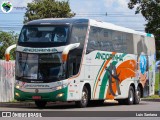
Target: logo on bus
107,56
40,50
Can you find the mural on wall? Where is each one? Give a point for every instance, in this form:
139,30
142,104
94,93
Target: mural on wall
142,65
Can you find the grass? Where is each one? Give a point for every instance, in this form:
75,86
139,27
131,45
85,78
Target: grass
157,83
13,101
153,97
156,96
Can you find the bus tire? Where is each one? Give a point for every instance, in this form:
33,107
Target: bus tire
40,104
84,98
137,96
130,99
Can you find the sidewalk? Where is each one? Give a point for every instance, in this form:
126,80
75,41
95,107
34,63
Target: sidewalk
150,99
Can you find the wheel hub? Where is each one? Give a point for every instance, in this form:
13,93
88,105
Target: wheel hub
84,97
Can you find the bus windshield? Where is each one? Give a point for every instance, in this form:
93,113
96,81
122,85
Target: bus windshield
41,33
39,67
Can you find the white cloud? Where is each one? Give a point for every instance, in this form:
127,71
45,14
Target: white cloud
123,3
108,3
20,3
116,5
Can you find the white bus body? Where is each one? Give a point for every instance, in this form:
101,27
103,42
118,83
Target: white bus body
96,62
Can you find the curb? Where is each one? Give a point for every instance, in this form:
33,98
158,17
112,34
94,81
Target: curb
151,100
17,104
26,104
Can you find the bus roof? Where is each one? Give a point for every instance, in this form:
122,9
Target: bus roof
117,28
50,21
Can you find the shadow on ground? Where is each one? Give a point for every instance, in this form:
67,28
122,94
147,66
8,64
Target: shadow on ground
57,105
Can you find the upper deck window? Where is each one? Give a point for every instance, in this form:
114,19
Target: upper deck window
36,34
78,34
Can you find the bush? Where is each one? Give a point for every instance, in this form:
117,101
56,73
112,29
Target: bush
7,39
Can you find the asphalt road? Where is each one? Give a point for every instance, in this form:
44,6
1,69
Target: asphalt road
108,106
144,106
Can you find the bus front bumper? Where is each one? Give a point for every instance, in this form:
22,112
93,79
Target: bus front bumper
58,95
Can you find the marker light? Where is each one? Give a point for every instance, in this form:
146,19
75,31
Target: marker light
59,87
17,86
60,95
17,94
64,57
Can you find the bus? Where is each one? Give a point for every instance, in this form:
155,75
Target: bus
84,61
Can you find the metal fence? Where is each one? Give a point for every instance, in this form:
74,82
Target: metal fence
7,78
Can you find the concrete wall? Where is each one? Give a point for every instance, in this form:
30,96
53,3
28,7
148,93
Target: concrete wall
7,78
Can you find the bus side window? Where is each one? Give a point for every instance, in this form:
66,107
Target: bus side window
94,39
73,63
91,46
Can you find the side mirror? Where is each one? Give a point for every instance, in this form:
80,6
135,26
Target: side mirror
67,49
7,52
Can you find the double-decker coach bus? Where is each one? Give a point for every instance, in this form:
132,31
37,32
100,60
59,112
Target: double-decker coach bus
83,60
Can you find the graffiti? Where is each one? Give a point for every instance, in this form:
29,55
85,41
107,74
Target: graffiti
143,64
113,75
142,69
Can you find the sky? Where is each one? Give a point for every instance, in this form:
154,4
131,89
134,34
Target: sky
113,11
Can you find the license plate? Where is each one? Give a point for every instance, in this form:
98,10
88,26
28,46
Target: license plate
36,97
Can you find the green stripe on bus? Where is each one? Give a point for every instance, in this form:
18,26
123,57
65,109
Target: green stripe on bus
96,78
105,80
104,83
103,86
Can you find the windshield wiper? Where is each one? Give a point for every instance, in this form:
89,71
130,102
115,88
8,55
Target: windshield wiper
24,76
25,65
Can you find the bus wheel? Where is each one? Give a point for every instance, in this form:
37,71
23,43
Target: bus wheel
130,99
137,96
84,98
40,104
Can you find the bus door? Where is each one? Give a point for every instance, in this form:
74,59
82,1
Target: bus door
73,65
74,60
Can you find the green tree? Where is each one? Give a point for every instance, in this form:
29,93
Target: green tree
39,9
7,39
150,9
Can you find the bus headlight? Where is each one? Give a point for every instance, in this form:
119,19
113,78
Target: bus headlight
59,95
17,86
17,94
59,87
